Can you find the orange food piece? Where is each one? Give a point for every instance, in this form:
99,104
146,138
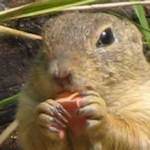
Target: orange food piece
61,133
72,102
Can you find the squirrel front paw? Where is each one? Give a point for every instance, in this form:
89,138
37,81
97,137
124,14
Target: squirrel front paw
52,118
93,109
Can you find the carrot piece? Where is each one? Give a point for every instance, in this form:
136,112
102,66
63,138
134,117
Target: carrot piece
72,102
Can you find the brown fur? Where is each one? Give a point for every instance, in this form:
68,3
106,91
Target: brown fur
117,73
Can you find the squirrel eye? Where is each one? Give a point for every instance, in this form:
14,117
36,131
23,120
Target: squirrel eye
106,38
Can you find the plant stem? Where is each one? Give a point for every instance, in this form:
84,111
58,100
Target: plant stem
143,21
8,100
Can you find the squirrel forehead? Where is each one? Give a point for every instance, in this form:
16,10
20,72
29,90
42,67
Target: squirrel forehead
76,25
74,30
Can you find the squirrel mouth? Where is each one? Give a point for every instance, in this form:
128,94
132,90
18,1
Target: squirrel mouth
59,89
67,88
70,89
64,85
68,85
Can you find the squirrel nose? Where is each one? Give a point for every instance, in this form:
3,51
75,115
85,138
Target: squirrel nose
63,77
61,74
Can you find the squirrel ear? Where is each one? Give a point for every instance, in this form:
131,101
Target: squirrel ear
134,35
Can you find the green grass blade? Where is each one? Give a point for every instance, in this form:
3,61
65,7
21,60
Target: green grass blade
39,8
144,24
8,100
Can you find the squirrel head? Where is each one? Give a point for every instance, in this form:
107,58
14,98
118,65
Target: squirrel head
93,51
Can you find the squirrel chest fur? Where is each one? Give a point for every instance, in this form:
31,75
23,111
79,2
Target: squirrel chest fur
101,57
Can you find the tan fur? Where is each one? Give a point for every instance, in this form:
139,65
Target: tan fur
115,76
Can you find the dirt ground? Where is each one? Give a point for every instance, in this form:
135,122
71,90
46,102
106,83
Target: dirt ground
16,57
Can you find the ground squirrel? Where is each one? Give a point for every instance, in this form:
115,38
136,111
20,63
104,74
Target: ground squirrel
101,57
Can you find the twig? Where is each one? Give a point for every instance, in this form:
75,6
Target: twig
8,131
18,33
107,5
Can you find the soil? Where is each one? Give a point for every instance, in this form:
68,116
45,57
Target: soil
16,58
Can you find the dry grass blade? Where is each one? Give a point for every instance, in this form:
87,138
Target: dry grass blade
8,131
39,8
107,5
17,33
